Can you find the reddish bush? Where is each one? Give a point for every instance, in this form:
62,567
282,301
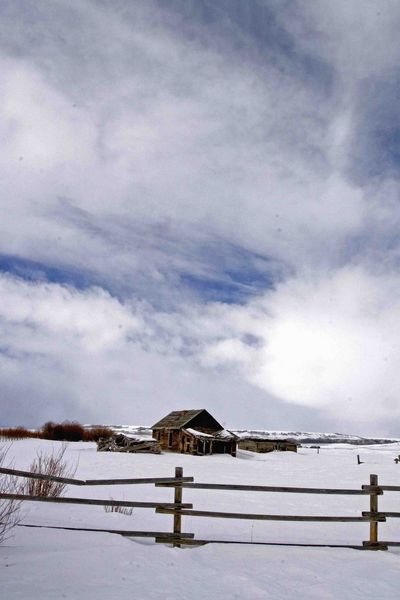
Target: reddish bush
66,431
9,509
95,433
17,433
49,464
71,431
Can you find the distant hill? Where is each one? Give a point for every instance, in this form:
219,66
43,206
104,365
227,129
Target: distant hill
304,437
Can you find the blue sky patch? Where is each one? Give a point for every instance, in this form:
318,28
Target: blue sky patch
31,270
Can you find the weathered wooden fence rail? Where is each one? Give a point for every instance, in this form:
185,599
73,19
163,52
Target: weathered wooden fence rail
178,508
158,480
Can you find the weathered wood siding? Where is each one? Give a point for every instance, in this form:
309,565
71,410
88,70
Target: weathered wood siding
177,440
169,439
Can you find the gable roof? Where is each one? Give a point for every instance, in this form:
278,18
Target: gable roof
179,418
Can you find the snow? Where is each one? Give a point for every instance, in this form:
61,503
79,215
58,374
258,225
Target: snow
51,564
138,432
311,437
222,434
198,433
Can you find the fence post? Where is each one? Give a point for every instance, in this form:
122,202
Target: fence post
178,500
372,543
373,508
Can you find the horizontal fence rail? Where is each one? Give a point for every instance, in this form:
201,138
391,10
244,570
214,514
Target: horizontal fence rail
179,509
157,480
93,501
383,488
42,476
69,481
268,488
257,517
389,515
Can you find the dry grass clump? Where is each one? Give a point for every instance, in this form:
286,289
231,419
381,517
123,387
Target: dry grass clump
53,464
123,510
9,509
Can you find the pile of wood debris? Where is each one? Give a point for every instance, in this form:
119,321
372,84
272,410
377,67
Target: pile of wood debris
124,443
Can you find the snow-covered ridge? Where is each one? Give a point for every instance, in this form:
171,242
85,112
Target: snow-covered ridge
304,437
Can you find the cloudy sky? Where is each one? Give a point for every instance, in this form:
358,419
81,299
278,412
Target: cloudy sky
199,207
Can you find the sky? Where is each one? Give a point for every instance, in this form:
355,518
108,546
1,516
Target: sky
199,208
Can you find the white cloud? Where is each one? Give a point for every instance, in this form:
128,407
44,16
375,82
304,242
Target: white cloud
68,354
92,319
332,342
325,343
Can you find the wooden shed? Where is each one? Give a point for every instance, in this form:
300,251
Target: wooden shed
255,444
194,432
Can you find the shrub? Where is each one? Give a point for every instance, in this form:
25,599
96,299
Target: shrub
69,431
95,433
17,433
53,464
9,509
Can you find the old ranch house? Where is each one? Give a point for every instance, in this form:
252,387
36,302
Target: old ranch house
258,444
194,432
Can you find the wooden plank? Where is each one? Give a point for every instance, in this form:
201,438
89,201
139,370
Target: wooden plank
122,532
264,488
260,517
70,481
170,480
42,476
375,489
374,545
389,515
92,501
172,540
390,543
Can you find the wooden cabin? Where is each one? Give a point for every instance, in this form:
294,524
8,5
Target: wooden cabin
193,432
255,444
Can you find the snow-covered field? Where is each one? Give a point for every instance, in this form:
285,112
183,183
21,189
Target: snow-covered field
52,564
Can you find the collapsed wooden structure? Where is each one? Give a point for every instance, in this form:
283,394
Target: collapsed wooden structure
194,432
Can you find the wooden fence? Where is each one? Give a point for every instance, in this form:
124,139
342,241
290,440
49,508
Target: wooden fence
178,508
